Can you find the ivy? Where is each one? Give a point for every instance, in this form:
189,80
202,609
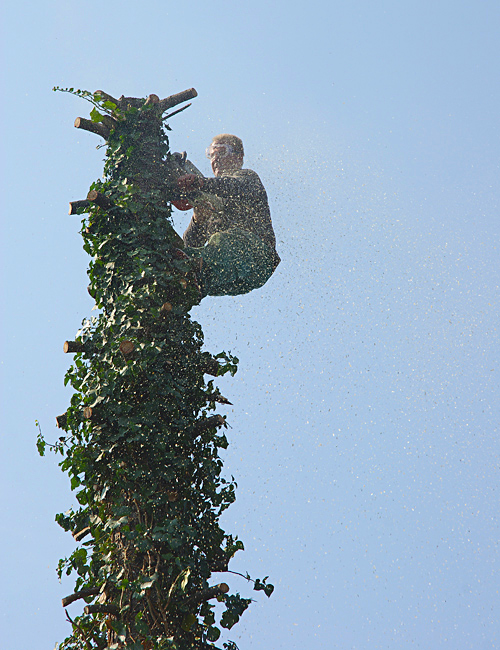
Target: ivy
139,448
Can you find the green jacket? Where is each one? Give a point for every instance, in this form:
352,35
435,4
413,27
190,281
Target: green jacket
244,205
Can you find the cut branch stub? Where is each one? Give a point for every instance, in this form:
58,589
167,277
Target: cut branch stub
211,367
73,346
127,348
179,98
94,127
100,199
136,102
62,421
81,534
109,122
207,594
106,97
92,413
208,423
102,609
172,495
165,309
83,593
76,205
152,99
217,397
220,565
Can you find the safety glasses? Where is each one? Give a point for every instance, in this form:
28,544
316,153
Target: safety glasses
221,149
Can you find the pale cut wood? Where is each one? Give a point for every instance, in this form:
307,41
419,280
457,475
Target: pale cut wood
94,127
90,413
73,346
207,594
100,199
126,348
81,533
152,99
165,309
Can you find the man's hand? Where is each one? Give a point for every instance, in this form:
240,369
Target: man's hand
190,183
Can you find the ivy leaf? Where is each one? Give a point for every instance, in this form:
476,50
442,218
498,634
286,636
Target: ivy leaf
111,524
264,586
149,582
40,444
95,116
213,633
229,619
230,645
268,590
188,621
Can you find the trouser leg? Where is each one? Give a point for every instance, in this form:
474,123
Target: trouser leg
233,262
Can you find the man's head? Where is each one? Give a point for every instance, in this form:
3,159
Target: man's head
225,153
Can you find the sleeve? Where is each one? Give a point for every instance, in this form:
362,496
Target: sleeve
229,186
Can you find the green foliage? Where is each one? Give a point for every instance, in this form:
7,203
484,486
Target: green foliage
94,98
263,585
140,456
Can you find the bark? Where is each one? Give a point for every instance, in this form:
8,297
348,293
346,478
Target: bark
211,367
100,199
81,534
84,593
94,127
75,205
62,421
208,594
102,609
175,100
73,346
208,423
106,97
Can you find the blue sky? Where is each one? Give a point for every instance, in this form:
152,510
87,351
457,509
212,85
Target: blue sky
364,432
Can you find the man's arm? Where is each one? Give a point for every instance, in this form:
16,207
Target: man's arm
195,234
241,182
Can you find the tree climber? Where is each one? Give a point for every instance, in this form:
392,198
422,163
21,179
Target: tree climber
230,233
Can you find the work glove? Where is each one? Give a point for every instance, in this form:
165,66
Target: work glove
182,205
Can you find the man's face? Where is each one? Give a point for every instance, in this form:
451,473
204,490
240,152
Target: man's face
223,159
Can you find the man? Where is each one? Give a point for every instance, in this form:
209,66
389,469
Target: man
230,231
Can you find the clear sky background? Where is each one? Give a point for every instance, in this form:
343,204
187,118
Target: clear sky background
364,432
